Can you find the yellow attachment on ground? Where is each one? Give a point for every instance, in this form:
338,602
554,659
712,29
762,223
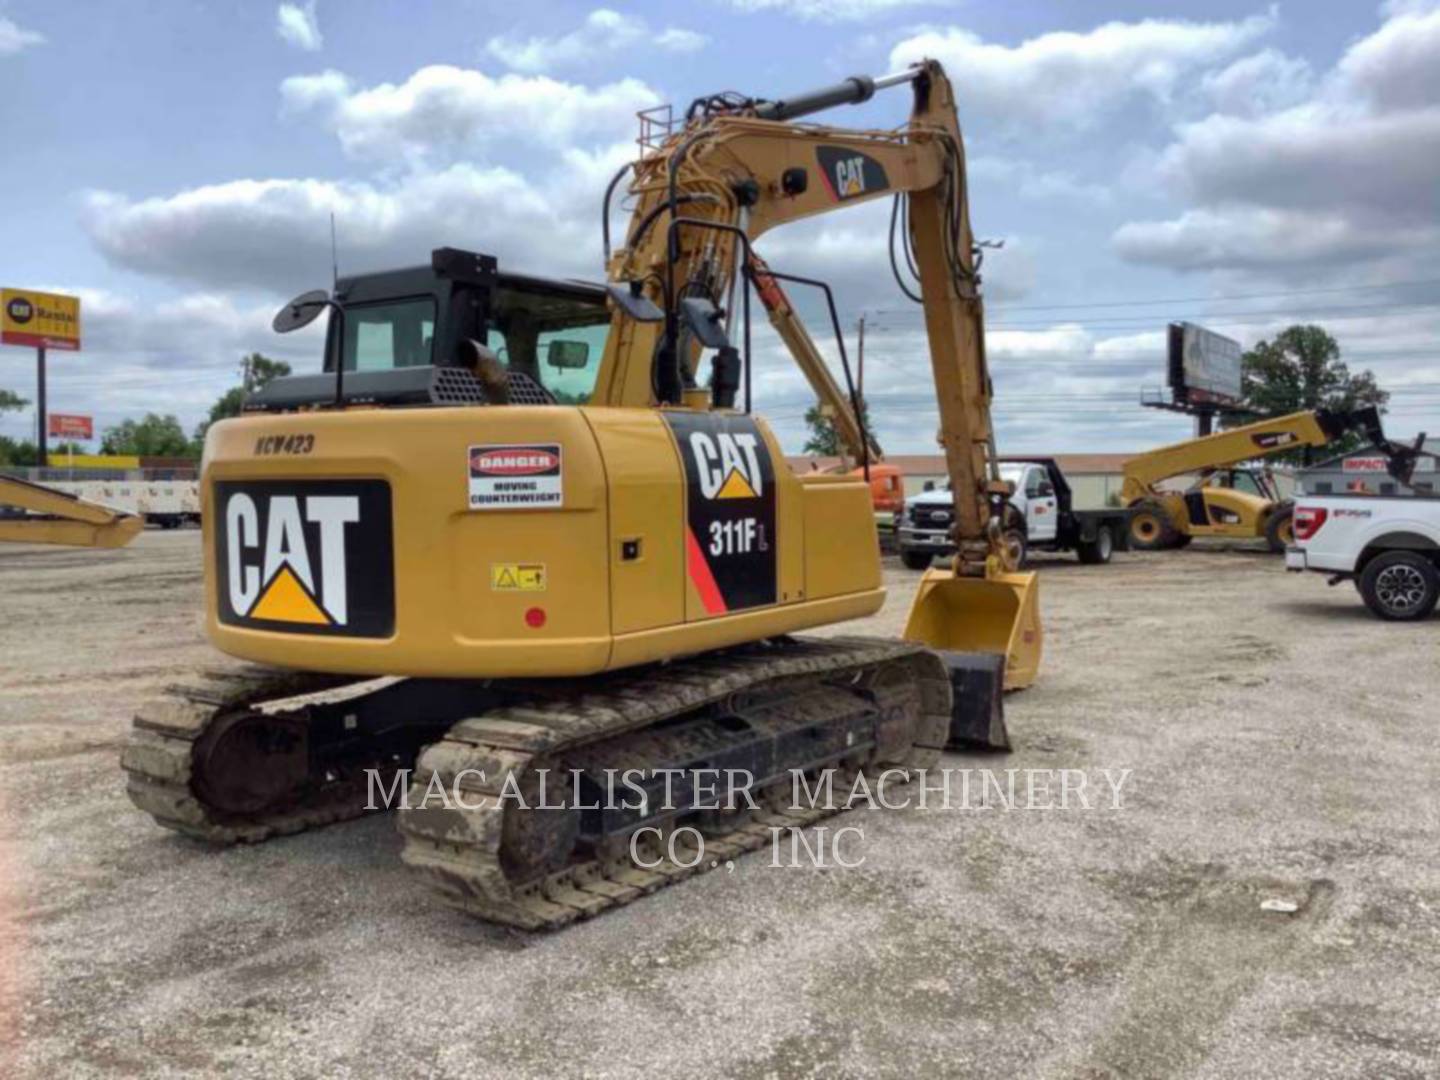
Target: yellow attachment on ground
999,613
57,517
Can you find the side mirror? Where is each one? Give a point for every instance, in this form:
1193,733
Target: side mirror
1046,488
569,355
629,299
301,311
703,318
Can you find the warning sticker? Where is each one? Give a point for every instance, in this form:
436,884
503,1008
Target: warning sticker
516,476
517,577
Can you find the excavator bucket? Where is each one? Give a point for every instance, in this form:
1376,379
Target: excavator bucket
997,614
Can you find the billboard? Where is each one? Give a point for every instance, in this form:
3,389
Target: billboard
1204,366
44,320
65,426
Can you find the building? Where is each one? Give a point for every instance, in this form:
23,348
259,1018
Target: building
1366,472
1094,478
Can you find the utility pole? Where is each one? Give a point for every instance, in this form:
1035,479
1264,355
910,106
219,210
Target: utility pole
40,424
860,362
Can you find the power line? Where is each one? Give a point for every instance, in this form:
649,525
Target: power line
1123,322
1198,299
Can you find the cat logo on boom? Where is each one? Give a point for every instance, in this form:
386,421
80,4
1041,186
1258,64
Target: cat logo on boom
306,557
849,174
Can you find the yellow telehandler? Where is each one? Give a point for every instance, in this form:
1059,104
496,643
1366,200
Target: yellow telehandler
1226,499
35,514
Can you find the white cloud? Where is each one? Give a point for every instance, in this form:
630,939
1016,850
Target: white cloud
1259,83
1029,181
442,109
274,235
299,25
1073,78
1398,66
168,356
1351,173
602,34
834,10
1253,237
13,38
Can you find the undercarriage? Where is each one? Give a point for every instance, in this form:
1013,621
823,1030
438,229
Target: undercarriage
535,803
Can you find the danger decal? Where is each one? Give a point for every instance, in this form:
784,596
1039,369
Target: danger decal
311,557
729,508
849,174
516,476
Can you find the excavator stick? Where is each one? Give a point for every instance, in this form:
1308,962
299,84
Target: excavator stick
998,614
47,516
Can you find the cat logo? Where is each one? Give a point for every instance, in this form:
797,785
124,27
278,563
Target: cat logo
1271,440
310,558
849,174
850,177
727,465
730,540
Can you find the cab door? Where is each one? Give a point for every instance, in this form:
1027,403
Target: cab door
1042,509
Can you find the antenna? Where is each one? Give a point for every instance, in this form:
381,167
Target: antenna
334,256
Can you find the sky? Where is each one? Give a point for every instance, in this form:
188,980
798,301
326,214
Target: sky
1234,164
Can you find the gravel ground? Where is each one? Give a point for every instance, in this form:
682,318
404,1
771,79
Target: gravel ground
1283,747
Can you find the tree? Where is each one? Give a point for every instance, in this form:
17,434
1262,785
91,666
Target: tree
15,452
18,452
154,436
824,440
256,371
1301,369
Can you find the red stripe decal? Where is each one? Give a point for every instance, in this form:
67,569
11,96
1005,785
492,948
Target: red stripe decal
829,184
701,577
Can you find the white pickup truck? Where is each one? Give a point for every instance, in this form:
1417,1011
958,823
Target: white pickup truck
1389,545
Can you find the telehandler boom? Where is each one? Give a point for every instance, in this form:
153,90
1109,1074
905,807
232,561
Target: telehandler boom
514,494
36,514
1215,505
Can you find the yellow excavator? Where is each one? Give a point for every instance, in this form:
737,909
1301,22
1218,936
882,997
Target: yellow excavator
36,514
1226,499
513,498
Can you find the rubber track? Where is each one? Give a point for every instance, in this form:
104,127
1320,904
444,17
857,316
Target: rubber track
158,757
458,851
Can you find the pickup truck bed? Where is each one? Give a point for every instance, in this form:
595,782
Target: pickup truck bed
1388,545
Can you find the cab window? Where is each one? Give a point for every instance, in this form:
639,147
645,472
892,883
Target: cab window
1033,479
557,340
391,335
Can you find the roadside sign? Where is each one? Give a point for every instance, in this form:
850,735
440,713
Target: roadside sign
1204,367
63,426
43,320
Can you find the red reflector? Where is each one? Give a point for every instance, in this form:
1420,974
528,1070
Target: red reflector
535,617
1308,520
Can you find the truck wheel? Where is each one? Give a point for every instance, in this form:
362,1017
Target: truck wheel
915,560
1098,550
1018,545
1400,586
1280,528
1015,537
1150,528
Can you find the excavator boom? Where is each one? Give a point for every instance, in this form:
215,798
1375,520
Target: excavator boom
734,172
